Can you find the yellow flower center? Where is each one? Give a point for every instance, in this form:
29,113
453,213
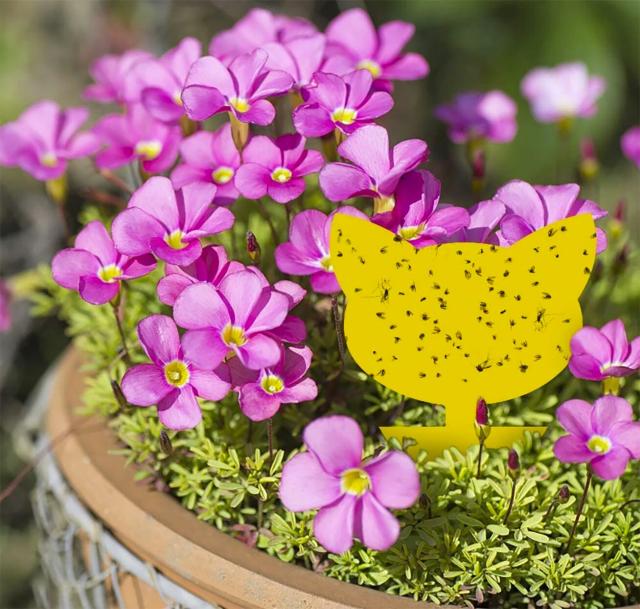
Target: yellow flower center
272,384
174,240
611,385
109,273
281,175
327,264
355,481
148,149
372,66
49,159
233,335
599,444
346,116
240,104
410,232
222,175
177,98
176,373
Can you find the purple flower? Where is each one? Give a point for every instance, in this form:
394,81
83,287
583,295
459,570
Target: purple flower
630,144
354,497
168,223
257,28
276,168
599,354
562,92
603,435
344,103
95,268
240,89
261,393
236,316
484,217
307,251
137,135
113,77
473,116
376,170
172,381
44,138
212,266
159,82
416,217
210,157
299,57
5,306
354,44
532,207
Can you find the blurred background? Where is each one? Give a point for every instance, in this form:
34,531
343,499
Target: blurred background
46,47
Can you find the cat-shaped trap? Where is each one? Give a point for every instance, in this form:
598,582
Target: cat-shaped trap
452,323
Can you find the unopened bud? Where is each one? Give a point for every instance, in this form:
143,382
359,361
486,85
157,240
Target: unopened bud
117,392
478,165
621,260
620,210
513,460
564,494
482,412
253,248
165,443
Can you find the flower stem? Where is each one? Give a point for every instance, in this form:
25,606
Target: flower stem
480,457
270,437
337,322
125,350
587,484
511,500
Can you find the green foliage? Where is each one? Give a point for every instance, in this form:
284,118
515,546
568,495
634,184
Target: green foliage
456,544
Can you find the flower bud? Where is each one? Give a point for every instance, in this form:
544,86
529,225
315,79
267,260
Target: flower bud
253,248
482,412
165,443
589,165
513,460
564,494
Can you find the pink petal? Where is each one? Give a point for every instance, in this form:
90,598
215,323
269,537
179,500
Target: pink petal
337,442
333,524
208,385
585,366
615,332
340,181
157,197
241,292
197,150
256,404
410,66
368,148
260,351
323,282
137,266
628,435
306,486
211,73
161,105
200,306
97,292
133,231
393,38
570,449
270,312
522,199
144,385
612,465
204,348
292,330
375,526
590,341
377,105
70,264
159,337
261,112
575,418
200,103
171,286
245,69
304,391
274,82
608,411
359,83
394,480
283,193
252,180
311,120
354,30
179,410
311,161
182,257
94,238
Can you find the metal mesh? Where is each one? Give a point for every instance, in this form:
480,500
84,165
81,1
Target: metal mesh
82,565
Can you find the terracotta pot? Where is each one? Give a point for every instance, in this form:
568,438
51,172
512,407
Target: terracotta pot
153,525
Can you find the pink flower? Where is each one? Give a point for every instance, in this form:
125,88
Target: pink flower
95,268
167,223
603,435
212,266
172,381
236,316
376,170
261,393
599,354
562,92
472,116
159,82
416,217
484,217
44,138
353,43
532,207
299,57
257,28
113,75
344,103
210,157
5,306
307,251
630,144
354,497
241,89
276,167
136,135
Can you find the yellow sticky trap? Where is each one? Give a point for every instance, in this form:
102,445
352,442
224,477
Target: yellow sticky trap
451,323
